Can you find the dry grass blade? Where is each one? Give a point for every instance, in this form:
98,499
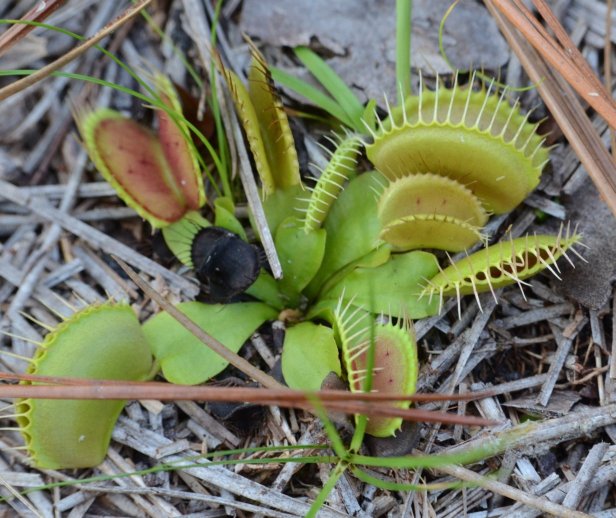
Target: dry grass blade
559,97
49,69
38,13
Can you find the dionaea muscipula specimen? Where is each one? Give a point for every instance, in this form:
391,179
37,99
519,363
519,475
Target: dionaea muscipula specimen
445,160
100,342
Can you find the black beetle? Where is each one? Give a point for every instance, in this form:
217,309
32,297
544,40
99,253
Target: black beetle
224,262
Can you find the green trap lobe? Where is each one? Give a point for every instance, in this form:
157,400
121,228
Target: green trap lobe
430,211
100,342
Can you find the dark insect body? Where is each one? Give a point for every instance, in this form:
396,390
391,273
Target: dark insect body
224,262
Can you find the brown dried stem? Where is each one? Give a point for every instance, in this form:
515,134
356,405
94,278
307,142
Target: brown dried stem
607,64
564,57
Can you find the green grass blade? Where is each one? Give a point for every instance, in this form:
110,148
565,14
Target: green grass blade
429,461
79,37
314,95
82,77
314,459
221,137
334,476
403,48
330,428
153,98
332,82
193,462
398,486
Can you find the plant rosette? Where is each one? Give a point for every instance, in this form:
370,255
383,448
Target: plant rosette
351,245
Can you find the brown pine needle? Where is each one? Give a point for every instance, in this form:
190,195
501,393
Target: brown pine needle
557,94
607,64
41,11
351,403
564,57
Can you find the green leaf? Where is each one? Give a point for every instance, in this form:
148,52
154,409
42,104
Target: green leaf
352,227
314,95
184,359
393,288
372,259
225,217
336,87
300,253
265,288
284,203
310,353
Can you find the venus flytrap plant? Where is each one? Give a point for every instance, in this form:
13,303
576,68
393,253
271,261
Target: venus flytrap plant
348,246
445,160
351,232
